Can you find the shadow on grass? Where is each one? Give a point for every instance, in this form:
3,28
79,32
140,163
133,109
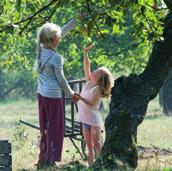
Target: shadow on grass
71,166
153,117
74,165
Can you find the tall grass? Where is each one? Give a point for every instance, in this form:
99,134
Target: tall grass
155,130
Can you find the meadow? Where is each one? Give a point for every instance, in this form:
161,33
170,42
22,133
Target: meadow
154,138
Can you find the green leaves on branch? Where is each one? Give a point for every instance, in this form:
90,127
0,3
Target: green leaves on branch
121,29
18,5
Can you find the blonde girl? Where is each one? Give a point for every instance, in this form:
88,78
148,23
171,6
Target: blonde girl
51,82
98,85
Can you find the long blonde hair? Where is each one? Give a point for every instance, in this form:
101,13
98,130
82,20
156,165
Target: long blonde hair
44,35
106,82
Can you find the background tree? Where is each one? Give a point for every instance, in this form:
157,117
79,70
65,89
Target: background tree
165,95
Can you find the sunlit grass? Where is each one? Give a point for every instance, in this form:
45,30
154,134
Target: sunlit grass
155,130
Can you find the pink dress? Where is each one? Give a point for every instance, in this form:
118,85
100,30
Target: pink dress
86,113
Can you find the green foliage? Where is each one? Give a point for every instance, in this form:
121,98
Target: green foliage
122,31
16,66
20,134
18,5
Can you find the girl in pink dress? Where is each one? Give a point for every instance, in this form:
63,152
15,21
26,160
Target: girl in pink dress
98,85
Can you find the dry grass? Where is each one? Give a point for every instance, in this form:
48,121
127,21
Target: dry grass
155,130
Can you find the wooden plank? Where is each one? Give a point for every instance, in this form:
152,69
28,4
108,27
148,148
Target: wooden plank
5,160
76,122
70,135
5,168
76,126
5,147
3,141
64,103
29,124
68,128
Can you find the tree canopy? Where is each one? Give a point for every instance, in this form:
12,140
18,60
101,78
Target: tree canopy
123,32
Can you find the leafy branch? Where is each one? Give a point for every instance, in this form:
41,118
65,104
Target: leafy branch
1,9
47,18
90,12
31,18
156,8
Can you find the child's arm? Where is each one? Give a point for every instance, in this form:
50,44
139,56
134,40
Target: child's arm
71,24
88,102
87,62
68,27
93,101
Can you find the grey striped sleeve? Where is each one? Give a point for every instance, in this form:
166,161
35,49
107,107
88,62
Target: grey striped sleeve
58,65
68,27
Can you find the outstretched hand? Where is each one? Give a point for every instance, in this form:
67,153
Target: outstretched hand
86,49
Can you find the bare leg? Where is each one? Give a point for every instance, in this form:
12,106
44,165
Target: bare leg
88,141
96,138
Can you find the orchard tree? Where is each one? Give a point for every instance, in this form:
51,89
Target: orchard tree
145,22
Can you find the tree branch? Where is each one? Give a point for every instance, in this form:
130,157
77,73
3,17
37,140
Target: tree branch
47,18
89,10
30,18
156,8
148,21
2,9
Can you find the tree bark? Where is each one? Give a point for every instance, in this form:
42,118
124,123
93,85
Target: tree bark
129,101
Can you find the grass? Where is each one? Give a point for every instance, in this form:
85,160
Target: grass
156,130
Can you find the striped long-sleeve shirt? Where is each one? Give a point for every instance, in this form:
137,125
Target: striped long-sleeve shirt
68,27
51,79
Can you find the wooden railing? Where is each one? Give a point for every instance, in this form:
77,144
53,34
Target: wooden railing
72,126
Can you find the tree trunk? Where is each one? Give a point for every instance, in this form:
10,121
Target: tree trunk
129,101
165,95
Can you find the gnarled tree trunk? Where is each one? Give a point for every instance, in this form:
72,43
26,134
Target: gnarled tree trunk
129,101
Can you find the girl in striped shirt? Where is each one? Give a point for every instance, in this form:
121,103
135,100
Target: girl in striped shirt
51,82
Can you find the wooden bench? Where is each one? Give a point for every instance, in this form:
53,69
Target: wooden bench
5,156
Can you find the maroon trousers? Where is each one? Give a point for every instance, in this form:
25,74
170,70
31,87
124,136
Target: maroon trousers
51,122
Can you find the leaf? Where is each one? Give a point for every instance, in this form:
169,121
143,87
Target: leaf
116,28
18,5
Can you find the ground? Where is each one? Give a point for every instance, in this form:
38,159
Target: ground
154,138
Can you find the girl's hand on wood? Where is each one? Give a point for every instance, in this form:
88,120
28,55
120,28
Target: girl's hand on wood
75,97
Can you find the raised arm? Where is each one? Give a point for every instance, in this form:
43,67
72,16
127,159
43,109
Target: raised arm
68,27
71,24
87,62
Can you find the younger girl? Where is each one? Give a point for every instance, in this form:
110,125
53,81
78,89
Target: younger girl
98,85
